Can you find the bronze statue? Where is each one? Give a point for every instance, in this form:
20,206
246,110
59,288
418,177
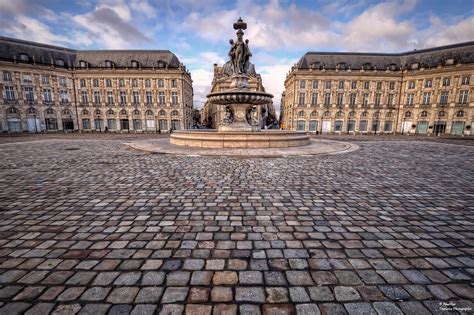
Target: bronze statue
239,54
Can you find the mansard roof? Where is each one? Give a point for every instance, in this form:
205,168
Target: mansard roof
12,49
427,58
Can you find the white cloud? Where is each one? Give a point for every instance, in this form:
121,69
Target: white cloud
442,33
32,29
202,80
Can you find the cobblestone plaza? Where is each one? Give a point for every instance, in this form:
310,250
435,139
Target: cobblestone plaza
90,227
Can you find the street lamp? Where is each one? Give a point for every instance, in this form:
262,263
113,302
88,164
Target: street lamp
156,124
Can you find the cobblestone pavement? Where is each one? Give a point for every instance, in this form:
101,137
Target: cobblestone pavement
88,227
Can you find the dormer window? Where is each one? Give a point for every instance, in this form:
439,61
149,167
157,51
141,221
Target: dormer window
161,64
367,66
24,57
135,64
83,64
109,64
449,61
392,67
341,66
59,62
415,65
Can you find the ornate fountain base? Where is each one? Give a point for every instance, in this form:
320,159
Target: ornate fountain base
239,122
239,139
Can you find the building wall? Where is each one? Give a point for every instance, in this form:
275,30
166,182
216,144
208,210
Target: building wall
65,108
427,114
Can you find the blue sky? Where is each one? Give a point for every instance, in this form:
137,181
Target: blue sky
280,32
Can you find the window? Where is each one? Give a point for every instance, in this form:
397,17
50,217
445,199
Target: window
108,83
173,83
161,83
341,84
392,86
147,83
444,98
59,62
123,98
424,114
378,98
136,112
328,84
327,114
314,114
354,84
390,100
149,98
134,83
23,57
446,82
465,80
441,114
366,85
110,98
302,84
121,83
96,98
10,93
301,113
327,99
47,97
45,79
62,81
352,101
365,100
340,98
460,114
174,98
134,64
7,76
315,84
110,112
389,114
379,85
64,97
301,99
162,113
410,99
426,98
82,64
86,123
174,113
108,64
338,124
95,83
161,98
463,96
84,97
12,110
428,83
411,85
82,83
161,64
314,99
123,112
29,96
407,114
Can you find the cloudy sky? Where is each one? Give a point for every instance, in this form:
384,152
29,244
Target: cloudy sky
280,32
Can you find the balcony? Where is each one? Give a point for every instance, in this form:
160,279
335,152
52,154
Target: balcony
48,102
10,101
65,102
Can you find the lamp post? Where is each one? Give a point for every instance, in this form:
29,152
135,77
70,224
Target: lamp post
156,124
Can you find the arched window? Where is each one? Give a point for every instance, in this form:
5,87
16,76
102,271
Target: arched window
460,114
339,114
66,112
174,113
12,110
24,57
161,64
149,113
407,114
326,114
301,113
110,112
136,112
109,64
314,114
97,112
376,114
135,64
424,114
389,114
49,111
31,110
123,112
162,113
352,114
83,64
85,112
441,114
364,114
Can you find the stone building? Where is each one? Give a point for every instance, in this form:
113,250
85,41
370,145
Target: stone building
211,114
419,92
49,88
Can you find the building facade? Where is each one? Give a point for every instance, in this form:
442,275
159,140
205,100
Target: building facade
211,114
49,88
420,92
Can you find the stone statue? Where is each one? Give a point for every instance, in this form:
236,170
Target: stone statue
252,116
228,117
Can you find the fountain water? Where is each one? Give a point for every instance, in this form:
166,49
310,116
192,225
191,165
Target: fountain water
241,125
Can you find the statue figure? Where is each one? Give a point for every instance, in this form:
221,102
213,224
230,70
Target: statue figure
228,117
252,116
239,54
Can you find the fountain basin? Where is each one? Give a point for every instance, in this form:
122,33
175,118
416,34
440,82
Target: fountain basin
239,139
239,97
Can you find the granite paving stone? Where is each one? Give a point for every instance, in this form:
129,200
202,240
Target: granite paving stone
104,229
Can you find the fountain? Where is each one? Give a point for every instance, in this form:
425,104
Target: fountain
241,125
